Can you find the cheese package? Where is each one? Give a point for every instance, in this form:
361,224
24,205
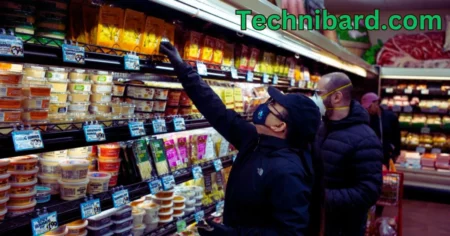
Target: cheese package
192,46
153,31
238,100
218,52
108,26
241,57
254,58
228,54
159,156
207,49
228,95
169,32
133,28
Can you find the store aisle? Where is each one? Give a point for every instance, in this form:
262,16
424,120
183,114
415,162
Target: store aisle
424,218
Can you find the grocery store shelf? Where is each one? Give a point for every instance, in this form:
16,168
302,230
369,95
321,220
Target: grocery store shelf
425,178
414,92
414,73
70,210
310,44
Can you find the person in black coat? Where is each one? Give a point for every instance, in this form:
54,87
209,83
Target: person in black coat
270,185
352,156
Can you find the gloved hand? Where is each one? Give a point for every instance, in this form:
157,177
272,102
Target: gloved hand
171,52
218,230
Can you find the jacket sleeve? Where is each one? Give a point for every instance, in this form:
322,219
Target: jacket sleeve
366,188
227,122
289,197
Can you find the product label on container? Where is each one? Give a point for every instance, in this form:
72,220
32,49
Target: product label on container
90,208
11,46
218,164
199,216
234,73
27,140
94,133
168,182
44,223
179,124
120,198
155,186
219,179
136,129
249,76
73,54
425,91
208,183
197,172
275,79
265,78
201,69
159,126
131,62
181,226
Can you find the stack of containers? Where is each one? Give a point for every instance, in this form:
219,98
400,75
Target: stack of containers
189,198
138,220
10,98
50,171
36,92
57,77
80,93
151,218
179,206
101,95
4,187
23,178
74,180
109,162
165,200
101,224
142,98
122,221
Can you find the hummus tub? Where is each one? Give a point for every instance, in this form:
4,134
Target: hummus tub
151,226
138,216
22,188
74,170
3,167
114,178
72,191
51,182
17,210
62,154
81,152
22,199
50,167
109,165
23,163
4,191
23,176
109,151
43,194
101,77
77,227
4,179
98,182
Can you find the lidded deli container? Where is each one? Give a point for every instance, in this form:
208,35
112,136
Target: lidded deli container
101,77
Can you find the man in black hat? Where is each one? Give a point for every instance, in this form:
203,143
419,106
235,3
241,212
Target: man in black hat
270,186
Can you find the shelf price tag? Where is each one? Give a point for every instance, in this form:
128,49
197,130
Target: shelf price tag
168,182
265,78
44,223
11,46
90,208
197,172
425,91
27,140
408,91
396,108
425,130
218,165
389,90
219,206
420,149
181,226
94,133
292,82
73,54
179,124
159,126
199,216
201,69
155,186
408,109
234,73
136,128
434,109
275,79
120,198
249,76
436,151
131,62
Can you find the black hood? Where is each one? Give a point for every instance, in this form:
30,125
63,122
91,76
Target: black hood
357,115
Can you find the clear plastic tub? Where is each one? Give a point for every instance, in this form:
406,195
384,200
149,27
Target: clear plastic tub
10,102
79,75
102,219
178,201
151,226
142,105
80,87
80,152
72,191
34,71
59,108
151,211
10,77
50,167
61,154
36,103
23,188
98,182
10,116
22,199
17,210
59,97
100,231
34,81
79,97
51,182
138,230
123,231
10,90
36,90
58,85
23,163
56,73
161,93
140,92
74,170
101,77
138,216
100,107
114,178
101,98
102,88
35,115
159,106
109,165
118,90
77,227
109,151
3,168
79,107
43,194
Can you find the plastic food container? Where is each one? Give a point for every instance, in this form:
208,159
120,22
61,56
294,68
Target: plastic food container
56,73
100,107
166,208
10,103
79,75
74,170
73,191
3,203
59,97
138,216
161,94
3,168
79,107
4,179
58,85
178,213
98,182
109,165
55,155
80,87
50,167
125,223
164,195
151,226
10,90
138,230
35,115
190,203
51,182
23,176
122,213
60,231
174,98
22,188
151,211
101,77
77,227
79,97
43,194
118,90
81,152
34,81
117,99
114,178
123,231
102,88
165,220
178,201
159,106
22,199
60,108
184,99
17,210
123,108
141,105
101,97
36,103
102,219
171,111
4,191
34,71
100,231
140,92
109,151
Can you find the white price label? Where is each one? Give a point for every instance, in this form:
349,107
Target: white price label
408,91
168,182
275,79
425,91
197,172
218,165
159,126
179,124
136,129
131,62
94,133
44,223
120,198
73,54
27,140
199,216
389,90
155,186
201,69
249,76
234,73
265,78
90,208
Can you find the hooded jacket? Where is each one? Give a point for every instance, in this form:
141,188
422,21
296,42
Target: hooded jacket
352,156
269,186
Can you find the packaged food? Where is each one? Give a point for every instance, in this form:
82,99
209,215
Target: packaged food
22,198
174,97
122,213
124,108
35,115
192,47
117,99
254,59
159,106
103,230
10,116
175,162
242,54
23,163
70,191
15,210
4,180
100,107
58,97
4,189
10,90
171,111
207,49
138,216
43,194
184,99
101,77
109,151
60,231
150,226
79,97
10,103
102,219
151,38
3,168
56,73
101,88
22,188
140,92
218,51
159,155
79,75
3,204
123,231
118,89
114,178
34,71
79,107
49,167
60,108
36,90
74,170
77,227
141,105
51,182
55,154
80,87
109,165
125,223
228,55
80,152
138,230
100,98
107,26
133,28
169,32
98,182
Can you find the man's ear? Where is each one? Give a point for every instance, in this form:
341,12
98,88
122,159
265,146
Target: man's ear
279,127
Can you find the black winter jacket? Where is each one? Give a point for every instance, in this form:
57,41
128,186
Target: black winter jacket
269,187
352,156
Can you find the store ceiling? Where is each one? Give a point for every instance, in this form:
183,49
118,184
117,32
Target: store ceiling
342,6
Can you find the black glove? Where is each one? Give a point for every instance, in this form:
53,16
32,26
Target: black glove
218,230
172,53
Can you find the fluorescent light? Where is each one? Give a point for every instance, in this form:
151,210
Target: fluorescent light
415,73
164,68
216,74
102,61
412,77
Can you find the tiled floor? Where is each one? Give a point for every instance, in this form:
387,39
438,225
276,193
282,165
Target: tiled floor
424,218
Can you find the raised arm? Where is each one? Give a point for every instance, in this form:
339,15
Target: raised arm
227,122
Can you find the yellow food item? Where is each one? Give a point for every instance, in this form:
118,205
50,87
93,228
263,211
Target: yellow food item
79,97
34,71
228,55
192,46
78,75
58,86
58,108
108,26
218,51
101,97
73,191
100,107
169,32
58,97
101,77
207,49
154,29
132,30
102,88
79,87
